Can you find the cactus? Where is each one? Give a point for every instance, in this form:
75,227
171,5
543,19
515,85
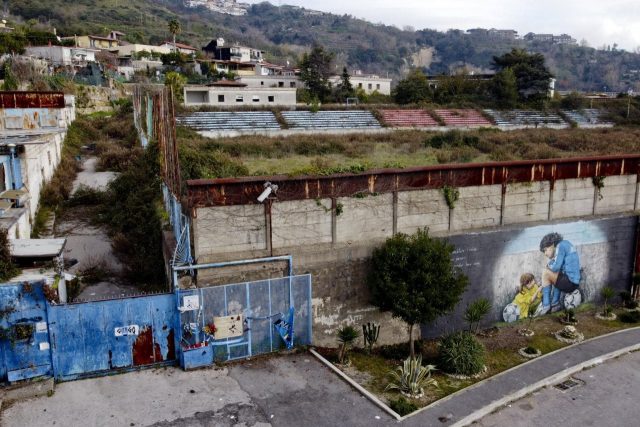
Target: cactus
370,333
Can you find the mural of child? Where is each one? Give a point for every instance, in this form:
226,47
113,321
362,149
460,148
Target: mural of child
562,272
530,294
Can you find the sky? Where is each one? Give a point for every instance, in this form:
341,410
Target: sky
599,22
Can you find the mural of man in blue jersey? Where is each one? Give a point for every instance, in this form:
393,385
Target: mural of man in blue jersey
561,274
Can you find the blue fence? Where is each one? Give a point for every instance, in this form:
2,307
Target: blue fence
261,304
91,337
69,341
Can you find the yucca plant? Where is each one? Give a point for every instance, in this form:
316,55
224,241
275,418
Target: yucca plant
346,336
475,312
606,293
412,378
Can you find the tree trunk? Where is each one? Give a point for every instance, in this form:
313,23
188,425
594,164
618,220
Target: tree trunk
175,48
411,350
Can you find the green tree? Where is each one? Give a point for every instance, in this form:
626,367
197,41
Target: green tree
315,70
7,268
414,278
504,88
177,82
174,29
532,76
345,88
413,89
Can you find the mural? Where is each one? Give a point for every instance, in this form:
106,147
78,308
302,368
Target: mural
551,265
560,279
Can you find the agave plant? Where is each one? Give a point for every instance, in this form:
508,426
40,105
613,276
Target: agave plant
411,378
346,336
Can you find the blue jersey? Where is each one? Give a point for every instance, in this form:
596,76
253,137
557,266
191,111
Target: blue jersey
566,261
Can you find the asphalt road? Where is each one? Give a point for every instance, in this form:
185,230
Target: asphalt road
606,395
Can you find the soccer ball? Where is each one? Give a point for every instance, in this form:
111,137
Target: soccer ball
573,299
511,313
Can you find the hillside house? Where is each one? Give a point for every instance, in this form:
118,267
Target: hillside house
63,55
32,128
180,47
95,42
218,49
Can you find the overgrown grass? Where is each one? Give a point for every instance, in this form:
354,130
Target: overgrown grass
323,154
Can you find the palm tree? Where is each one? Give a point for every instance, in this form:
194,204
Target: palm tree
174,28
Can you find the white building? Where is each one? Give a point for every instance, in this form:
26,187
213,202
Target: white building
30,150
368,83
233,94
182,48
63,55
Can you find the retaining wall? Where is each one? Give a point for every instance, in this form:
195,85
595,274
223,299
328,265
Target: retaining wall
332,237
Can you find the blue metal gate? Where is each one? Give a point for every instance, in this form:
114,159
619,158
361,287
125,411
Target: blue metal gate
260,303
94,337
24,338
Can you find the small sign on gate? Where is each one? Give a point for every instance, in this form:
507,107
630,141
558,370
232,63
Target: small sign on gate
228,326
122,331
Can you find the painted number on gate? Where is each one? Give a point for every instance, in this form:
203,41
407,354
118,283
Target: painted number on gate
121,331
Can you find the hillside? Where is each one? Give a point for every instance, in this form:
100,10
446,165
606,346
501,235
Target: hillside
285,32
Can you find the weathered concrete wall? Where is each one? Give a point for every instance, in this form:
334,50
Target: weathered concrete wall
494,260
333,240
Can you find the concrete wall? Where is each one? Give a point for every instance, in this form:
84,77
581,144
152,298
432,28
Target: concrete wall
38,165
333,239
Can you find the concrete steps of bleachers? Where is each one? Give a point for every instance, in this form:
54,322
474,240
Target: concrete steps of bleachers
330,119
587,117
229,120
526,118
462,117
407,118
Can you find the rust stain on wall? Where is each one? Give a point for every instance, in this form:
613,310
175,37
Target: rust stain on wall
239,191
31,100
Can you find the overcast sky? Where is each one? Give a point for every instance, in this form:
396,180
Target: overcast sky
600,22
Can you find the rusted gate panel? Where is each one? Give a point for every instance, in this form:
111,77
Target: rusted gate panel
97,337
237,191
31,100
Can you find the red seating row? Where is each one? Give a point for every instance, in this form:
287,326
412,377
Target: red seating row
408,118
458,117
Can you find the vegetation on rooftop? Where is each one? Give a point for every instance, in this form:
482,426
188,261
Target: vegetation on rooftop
319,154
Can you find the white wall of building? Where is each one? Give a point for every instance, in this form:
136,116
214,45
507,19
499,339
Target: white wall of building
238,96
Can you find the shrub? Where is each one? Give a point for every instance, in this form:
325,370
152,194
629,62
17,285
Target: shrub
398,351
402,406
627,300
630,317
7,268
411,378
346,336
461,353
531,350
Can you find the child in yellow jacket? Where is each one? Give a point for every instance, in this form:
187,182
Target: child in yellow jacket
529,295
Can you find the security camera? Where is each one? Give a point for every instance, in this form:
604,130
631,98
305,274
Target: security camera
264,194
268,189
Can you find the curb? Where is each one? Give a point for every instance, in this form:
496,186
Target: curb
357,386
475,416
